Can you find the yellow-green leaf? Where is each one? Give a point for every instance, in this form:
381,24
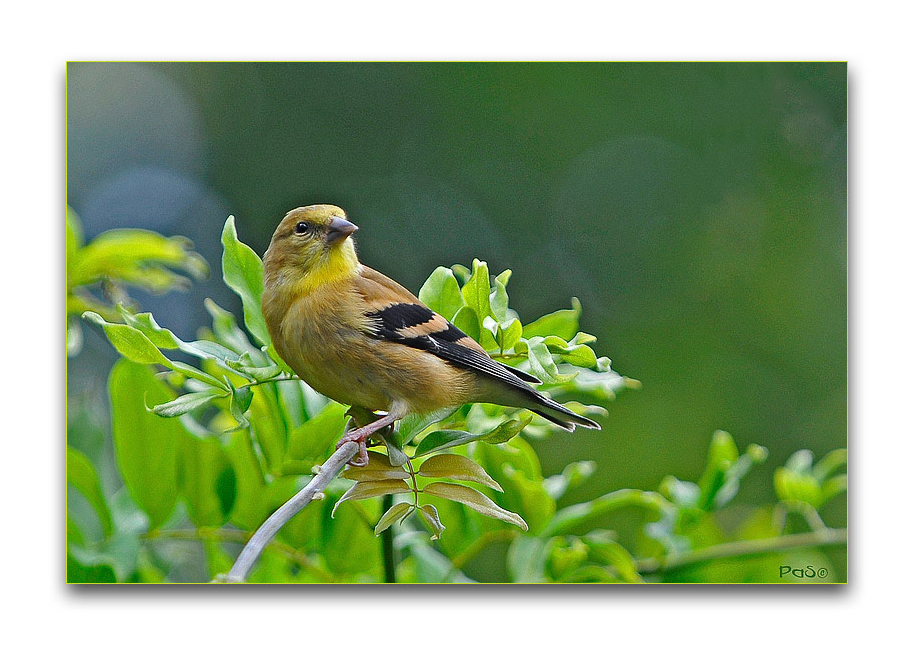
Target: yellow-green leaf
475,500
392,515
476,291
563,323
377,469
442,293
451,466
187,402
243,272
129,342
366,489
430,515
81,475
145,445
314,438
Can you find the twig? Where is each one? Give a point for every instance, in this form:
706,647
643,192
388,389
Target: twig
261,382
239,536
284,514
824,537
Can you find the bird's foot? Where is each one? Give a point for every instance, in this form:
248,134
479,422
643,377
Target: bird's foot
361,459
361,437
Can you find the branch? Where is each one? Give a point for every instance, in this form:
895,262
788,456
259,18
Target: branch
824,537
284,514
239,536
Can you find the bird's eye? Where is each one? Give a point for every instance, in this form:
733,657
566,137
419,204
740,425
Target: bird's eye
301,228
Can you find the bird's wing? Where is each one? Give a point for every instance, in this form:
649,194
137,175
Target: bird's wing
396,315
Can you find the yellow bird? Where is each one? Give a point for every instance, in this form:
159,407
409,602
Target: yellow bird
360,338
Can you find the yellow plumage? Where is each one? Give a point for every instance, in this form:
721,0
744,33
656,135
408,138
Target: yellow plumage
362,339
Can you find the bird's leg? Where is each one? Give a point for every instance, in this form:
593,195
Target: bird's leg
362,435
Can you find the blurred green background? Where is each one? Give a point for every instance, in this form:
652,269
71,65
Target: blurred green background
697,210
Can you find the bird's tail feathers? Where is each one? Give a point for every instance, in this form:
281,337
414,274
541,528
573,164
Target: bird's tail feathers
560,415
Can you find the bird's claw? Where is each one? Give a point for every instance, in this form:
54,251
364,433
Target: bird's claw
361,459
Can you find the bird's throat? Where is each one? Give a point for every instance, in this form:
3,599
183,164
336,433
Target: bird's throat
339,263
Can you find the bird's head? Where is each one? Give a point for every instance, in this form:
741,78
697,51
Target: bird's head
311,246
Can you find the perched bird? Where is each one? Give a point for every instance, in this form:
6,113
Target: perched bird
360,338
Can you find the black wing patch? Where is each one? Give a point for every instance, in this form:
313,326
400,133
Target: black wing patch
417,326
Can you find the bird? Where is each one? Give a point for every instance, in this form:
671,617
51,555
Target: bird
361,339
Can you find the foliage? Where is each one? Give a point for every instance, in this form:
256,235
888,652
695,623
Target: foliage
99,272
206,452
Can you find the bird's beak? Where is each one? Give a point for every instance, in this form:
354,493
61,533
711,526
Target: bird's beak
339,230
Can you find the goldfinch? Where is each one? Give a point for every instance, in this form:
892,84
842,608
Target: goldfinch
360,338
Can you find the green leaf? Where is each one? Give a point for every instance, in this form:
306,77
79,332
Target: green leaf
239,402
395,454
81,475
830,464
526,559
366,489
542,364
563,323
573,517
442,293
243,273
475,500
129,342
135,346
450,466
577,354
392,515
684,494
508,334
248,511
527,496
466,320
800,461
195,373
377,469
206,481
90,570
315,437
476,291
461,272
430,515
246,366
349,545
793,486
722,454
572,476
833,486
613,554
446,439
74,235
498,300
136,256
414,423
145,445
266,419
147,325
74,337
188,402
226,330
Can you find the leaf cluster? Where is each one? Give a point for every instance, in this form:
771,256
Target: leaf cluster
206,448
99,272
223,440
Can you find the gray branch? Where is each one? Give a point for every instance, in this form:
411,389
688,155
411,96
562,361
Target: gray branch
284,514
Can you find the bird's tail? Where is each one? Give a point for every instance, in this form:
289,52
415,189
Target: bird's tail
559,414
512,391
